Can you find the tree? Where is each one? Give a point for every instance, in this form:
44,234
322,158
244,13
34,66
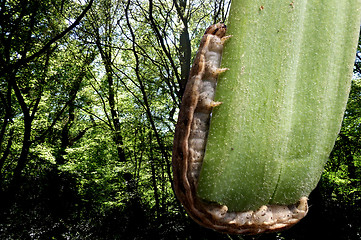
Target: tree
95,83
25,69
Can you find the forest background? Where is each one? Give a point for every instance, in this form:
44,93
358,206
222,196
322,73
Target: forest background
89,97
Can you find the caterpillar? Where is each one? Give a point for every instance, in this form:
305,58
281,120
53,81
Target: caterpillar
189,147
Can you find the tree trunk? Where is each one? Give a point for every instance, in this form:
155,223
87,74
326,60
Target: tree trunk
106,58
184,46
154,180
185,58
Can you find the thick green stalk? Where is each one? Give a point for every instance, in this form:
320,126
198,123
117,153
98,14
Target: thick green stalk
283,100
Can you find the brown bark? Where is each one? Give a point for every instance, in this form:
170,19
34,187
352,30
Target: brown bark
185,53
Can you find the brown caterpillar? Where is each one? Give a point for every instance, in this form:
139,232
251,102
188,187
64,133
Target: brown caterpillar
189,147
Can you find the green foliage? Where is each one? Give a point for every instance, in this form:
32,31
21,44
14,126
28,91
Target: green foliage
87,117
86,125
342,176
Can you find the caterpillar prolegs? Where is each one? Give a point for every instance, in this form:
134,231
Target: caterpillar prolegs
189,147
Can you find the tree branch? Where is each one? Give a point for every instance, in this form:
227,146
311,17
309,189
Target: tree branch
161,41
56,38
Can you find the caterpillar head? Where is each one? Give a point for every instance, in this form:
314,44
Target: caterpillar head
218,29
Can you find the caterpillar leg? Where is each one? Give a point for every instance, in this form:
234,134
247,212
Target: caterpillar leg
225,38
220,70
206,105
216,71
214,104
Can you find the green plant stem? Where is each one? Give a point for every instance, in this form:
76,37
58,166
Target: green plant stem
283,100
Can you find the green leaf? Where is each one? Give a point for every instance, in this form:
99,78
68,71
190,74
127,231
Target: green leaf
283,100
